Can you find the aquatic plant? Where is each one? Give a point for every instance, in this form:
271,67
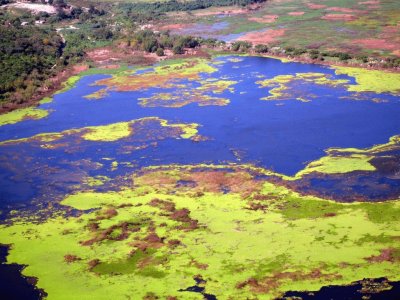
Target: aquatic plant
281,88
111,132
164,75
29,113
371,80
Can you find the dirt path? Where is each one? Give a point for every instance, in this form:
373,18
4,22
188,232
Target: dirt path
35,8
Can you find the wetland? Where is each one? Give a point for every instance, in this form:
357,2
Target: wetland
235,177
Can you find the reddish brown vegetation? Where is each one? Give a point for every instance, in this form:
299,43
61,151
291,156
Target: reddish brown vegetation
389,254
93,263
343,10
199,265
376,44
180,215
339,17
370,2
265,37
107,214
330,215
315,6
296,13
178,26
162,204
174,243
272,282
108,56
199,182
100,235
153,238
265,19
69,258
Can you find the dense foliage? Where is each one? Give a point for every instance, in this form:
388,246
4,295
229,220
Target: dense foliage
31,54
144,11
153,42
27,56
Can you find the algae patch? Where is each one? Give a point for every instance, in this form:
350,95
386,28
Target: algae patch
338,164
113,132
108,133
164,75
283,87
22,114
371,80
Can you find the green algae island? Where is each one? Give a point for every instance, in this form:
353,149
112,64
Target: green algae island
153,200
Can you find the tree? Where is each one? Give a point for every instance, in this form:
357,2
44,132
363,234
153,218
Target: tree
240,46
60,3
261,48
150,44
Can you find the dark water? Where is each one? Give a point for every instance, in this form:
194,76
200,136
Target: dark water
199,289
13,286
350,292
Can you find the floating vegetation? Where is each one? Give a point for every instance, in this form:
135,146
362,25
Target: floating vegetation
182,98
339,164
174,224
108,133
111,132
346,160
69,83
187,94
371,80
283,89
97,95
22,114
164,75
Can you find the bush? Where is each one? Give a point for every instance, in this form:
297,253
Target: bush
299,51
150,44
188,42
160,52
344,56
210,42
289,49
261,48
178,49
240,46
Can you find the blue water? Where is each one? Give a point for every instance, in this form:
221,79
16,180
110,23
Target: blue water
278,135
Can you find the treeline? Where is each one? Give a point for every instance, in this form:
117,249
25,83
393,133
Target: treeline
144,11
27,57
153,42
315,54
322,55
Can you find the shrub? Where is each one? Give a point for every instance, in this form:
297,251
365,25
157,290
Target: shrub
299,51
178,49
240,46
261,48
160,52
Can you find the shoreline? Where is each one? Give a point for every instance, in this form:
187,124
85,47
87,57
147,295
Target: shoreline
60,81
